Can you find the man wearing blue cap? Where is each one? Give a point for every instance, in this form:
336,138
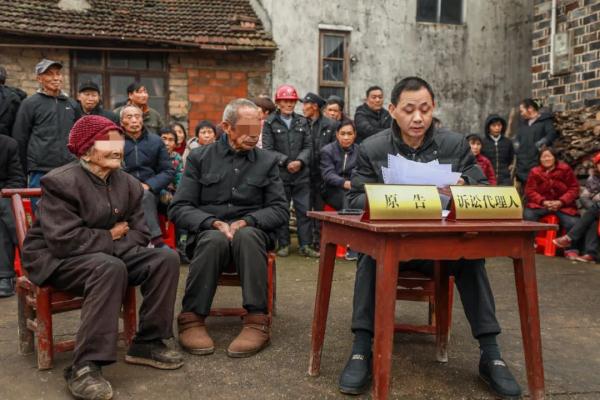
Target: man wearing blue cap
43,123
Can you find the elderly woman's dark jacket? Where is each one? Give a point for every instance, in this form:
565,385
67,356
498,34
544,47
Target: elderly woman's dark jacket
75,215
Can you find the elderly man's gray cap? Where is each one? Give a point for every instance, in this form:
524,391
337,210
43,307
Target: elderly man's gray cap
43,66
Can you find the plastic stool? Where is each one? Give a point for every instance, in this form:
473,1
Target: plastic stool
168,231
544,239
340,252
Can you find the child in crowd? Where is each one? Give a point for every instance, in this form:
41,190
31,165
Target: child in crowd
483,162
587,227
169,138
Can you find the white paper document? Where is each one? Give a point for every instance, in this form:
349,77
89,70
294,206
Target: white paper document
401,171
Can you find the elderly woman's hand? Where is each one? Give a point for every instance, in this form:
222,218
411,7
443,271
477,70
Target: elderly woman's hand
119,230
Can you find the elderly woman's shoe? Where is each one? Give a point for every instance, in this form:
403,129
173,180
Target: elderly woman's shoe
153,354
85,381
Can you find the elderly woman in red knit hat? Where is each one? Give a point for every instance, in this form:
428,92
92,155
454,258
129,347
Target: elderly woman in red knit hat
90,238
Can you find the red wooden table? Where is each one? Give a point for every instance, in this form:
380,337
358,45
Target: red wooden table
390,242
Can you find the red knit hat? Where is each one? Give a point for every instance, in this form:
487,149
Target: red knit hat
87,130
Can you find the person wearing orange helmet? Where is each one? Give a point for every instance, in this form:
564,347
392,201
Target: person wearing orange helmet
587,226
288,135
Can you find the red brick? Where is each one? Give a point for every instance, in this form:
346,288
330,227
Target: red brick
223,75
238,75
197,97
217,82
570,7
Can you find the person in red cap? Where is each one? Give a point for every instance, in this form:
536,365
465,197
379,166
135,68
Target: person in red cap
587,226
288,135
90,238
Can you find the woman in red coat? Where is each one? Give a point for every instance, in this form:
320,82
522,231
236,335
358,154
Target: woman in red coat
552,188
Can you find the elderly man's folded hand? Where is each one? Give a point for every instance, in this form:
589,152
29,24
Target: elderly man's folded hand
119,230
224,228
236,226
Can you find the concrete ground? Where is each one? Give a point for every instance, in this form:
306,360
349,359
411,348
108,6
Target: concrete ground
569,294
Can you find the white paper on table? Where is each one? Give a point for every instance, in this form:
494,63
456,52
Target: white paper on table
402,171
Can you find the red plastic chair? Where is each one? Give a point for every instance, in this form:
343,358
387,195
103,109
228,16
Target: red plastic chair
341,250
168,231
37,304
544,239
231,278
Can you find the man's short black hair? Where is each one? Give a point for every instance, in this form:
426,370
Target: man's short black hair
536,104
333,99
169,131
474,137
412,83
371,88
206,124
346,122
134,87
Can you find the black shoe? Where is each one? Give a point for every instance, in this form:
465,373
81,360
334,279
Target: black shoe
182,257
357,374
499,378
7,287
86,382
154,354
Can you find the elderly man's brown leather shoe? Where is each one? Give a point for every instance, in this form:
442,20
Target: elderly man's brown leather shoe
193,336
255,336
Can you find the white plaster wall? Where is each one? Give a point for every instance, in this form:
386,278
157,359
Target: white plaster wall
480,67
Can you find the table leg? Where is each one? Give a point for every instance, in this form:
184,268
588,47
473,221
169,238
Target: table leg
385,303
527,295
442,320
326,265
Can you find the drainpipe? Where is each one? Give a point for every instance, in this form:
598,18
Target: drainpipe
552,36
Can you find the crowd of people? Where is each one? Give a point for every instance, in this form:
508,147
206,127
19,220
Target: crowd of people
228,187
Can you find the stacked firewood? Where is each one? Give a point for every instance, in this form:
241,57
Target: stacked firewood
579,137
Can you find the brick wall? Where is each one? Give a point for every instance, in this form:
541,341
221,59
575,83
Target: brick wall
581,86
20,66
201,84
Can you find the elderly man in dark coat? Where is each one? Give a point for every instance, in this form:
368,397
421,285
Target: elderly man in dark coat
90,238
231,200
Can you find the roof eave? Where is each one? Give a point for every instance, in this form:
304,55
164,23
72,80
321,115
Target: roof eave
204,45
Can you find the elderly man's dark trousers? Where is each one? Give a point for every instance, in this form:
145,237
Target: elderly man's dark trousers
300,194
8,240
213,254
317,203
102,280
470,278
